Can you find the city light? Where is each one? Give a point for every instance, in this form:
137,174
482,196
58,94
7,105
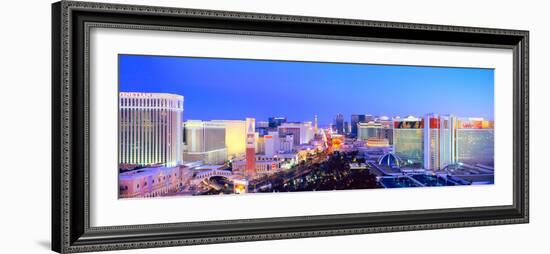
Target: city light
169,146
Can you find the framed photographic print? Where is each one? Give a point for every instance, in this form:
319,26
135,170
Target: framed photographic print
181,126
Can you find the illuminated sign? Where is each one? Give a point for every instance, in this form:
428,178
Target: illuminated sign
419,124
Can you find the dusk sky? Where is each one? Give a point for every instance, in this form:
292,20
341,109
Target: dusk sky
235,89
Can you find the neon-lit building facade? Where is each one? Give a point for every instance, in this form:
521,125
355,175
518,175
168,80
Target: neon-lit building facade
377,142
150,128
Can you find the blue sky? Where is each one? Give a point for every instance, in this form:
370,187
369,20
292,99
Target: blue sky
216,88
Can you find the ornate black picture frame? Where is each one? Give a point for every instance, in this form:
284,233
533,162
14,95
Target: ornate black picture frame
71,230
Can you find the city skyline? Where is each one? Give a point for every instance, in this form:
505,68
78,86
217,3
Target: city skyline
205,126
261,84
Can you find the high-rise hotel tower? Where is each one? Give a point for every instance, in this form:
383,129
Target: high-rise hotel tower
204,141
408,138
439,141
150,128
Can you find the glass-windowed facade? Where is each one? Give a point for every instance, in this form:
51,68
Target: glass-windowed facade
408,144
150,128
370,130
475,146
205,141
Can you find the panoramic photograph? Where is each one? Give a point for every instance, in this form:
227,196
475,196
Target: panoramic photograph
191,126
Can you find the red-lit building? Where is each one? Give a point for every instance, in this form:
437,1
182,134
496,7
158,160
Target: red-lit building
439,141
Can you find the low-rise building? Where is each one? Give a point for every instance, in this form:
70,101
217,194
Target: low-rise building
152,182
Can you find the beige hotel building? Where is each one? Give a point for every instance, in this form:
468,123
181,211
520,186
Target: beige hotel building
150,127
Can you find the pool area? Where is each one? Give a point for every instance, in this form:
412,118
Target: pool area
430,180
425,180
455,175
475,179
398,182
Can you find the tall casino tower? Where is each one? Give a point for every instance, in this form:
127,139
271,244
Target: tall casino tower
250,169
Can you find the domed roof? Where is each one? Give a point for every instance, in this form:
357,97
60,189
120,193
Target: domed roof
390,160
